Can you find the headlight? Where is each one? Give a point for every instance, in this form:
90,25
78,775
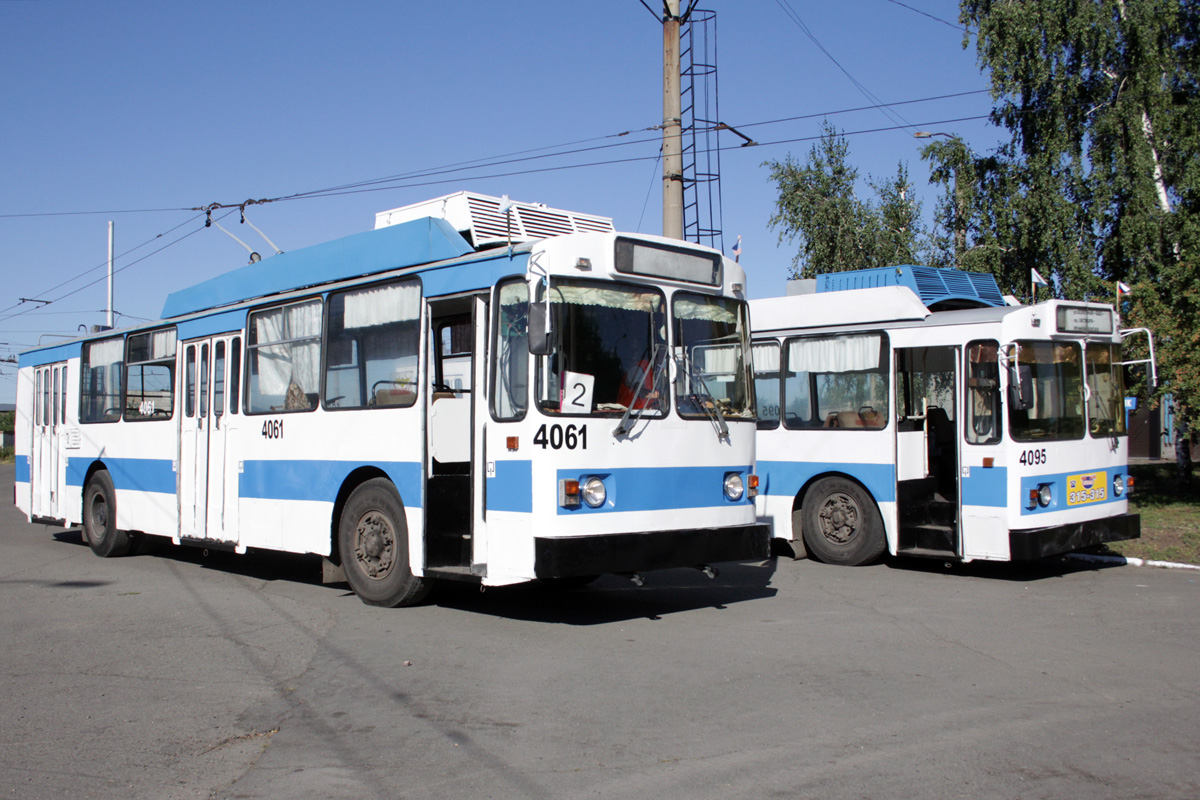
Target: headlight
594,493
734,488
1044,496
1118,485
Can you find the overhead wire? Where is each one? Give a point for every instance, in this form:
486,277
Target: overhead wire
7,317
931,16
795,18
413,178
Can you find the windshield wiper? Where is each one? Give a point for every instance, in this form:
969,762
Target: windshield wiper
712,409
656,368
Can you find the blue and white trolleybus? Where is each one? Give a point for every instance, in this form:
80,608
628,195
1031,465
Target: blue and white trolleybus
917,411
477,390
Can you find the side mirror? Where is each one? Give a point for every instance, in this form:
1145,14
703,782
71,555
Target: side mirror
1020,387
539,336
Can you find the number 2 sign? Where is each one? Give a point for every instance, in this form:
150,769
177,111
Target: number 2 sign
577,393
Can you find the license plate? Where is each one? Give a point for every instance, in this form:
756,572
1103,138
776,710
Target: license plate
1090,487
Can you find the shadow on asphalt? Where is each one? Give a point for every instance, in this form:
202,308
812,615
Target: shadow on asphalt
1015,571
610,598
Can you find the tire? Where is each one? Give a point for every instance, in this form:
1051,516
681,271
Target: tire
373,542
842,524
100,518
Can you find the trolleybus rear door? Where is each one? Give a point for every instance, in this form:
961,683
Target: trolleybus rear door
927,451
49,417
204,473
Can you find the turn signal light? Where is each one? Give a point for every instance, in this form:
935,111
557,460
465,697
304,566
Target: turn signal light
568,493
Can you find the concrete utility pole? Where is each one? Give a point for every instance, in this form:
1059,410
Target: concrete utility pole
672,147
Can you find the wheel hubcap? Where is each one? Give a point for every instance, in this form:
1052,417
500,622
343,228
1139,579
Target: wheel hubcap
839,518
99,515
376,544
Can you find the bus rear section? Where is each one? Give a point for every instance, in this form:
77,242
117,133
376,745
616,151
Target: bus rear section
939,425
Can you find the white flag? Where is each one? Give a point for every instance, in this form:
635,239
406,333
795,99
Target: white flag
1036,279
1123,288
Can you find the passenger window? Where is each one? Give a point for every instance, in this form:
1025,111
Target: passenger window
373,344
284,358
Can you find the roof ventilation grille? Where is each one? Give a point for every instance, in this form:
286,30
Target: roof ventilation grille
478,217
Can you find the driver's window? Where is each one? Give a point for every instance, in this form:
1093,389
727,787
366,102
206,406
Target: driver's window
983,393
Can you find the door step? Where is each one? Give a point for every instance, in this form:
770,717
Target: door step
454,573
925,552
939,539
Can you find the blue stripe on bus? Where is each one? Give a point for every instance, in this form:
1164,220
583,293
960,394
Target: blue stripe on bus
229,322
23,470
50,355
985,486
1058,490
128,474
320,480
511,489
785,478
658,488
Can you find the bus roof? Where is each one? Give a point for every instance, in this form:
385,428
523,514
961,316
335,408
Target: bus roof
853,307
420,241
938,288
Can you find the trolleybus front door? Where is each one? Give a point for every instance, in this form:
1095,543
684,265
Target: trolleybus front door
458,331
927,453
49,422
207,482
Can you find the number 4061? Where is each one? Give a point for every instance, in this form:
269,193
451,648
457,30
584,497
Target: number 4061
557,437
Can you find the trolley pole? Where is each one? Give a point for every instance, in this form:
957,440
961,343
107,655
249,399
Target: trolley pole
109,319
672,146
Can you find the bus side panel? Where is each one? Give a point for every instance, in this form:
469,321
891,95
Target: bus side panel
785,468
984,492
287,494
140,459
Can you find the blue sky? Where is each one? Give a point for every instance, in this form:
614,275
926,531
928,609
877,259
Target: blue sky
137,111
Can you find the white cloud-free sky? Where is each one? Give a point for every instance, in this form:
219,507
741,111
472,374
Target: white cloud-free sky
136,111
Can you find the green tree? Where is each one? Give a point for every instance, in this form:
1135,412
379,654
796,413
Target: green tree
1100,180
818,205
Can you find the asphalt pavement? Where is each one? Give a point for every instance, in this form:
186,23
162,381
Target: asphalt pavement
180,674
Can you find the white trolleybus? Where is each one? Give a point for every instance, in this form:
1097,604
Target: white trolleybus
916,411
475,389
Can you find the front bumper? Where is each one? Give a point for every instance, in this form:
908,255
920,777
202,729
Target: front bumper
1028,545
643,552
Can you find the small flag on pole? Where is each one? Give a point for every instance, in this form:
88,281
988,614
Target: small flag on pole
1036,279
1123,288
737,250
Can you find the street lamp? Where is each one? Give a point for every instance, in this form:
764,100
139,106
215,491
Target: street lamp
960,233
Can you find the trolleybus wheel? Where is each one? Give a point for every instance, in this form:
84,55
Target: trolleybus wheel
841,524
100,518
373,540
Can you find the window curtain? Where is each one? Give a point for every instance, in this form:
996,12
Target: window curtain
838,354
766,358
382,305
289,361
